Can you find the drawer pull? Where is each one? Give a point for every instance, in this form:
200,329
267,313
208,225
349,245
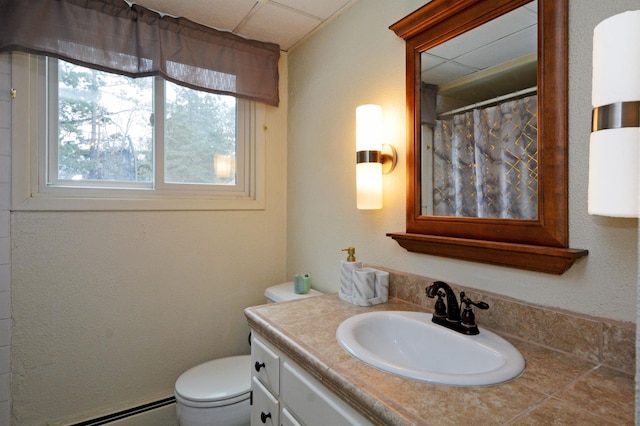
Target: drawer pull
259,365
264,417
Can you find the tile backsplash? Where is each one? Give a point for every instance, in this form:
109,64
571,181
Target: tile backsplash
599,340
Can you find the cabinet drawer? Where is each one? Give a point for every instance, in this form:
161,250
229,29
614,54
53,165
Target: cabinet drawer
265,364
288,419
313,404
265,408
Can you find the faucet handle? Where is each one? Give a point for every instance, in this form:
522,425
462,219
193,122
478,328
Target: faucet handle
440,309
467,302
468,319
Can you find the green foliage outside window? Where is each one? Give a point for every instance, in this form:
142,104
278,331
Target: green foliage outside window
106,129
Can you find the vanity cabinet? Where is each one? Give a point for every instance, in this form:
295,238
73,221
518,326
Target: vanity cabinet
286,395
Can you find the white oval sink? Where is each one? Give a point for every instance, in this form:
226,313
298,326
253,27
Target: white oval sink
408,344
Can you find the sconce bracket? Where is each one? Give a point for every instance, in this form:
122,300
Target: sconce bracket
368,157
389,158
616,116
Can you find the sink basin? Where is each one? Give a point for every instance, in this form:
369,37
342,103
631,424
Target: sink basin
408,344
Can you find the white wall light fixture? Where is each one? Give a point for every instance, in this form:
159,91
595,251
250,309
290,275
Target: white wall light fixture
614,148
373,159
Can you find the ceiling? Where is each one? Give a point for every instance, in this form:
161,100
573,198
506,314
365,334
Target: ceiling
289,22
504,39
284,22
496,59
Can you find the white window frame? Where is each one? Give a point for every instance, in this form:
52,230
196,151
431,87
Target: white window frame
30,191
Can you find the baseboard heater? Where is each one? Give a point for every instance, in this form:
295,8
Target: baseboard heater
127,413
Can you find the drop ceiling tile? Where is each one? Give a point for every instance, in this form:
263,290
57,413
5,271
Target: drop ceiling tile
220,14
321,9
532,7
428,61
277,24
493,30
446,72
503,50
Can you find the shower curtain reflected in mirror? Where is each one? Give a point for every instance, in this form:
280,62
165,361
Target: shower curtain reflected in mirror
485,162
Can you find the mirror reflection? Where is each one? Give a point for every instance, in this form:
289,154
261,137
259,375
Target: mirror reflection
479,121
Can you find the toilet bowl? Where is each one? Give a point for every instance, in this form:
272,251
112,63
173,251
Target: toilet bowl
218,392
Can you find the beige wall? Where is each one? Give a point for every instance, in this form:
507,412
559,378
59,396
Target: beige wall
109,308
358,60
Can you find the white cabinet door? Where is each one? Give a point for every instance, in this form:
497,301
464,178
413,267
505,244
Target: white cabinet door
312,403
265,364
288,419
286,395
265,409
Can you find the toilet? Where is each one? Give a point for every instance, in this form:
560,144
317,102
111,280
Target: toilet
218,392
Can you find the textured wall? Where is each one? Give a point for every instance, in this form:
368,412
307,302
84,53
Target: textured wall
358,60
110,308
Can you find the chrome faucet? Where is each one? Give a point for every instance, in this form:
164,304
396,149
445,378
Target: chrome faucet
449,315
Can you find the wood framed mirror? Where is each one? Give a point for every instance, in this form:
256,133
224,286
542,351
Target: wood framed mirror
537,241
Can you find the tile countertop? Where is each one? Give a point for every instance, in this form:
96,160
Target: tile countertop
555,388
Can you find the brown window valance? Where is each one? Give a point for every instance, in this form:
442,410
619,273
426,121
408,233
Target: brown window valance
112,36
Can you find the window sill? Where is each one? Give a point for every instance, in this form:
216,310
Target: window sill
136,204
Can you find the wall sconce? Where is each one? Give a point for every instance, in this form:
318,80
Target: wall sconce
373,159
615,138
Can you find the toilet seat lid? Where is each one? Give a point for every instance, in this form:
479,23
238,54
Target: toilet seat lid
216,380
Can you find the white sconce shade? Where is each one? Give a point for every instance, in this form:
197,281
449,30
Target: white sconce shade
368,149
614,144
369,128
369,186
613,172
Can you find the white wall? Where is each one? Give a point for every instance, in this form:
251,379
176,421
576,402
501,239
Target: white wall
109,308
358,60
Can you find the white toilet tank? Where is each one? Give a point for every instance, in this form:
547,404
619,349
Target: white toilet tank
285,291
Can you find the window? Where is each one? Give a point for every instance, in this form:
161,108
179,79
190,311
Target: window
107,141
